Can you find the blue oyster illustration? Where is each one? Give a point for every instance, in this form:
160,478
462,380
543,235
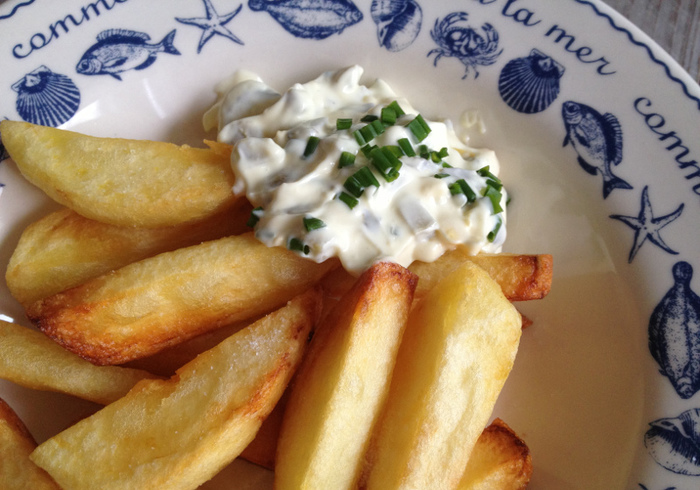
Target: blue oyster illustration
674,333
464,42
597,139
398,22
674,443
310,19
46,98
529,85
120,50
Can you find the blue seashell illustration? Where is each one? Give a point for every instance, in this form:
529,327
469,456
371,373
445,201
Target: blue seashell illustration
310,19
398,22
463,42
46,98
597,139
674,443
529,85
674,333
120,50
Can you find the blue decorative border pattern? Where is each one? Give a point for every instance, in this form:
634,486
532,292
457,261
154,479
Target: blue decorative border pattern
16,8
646,47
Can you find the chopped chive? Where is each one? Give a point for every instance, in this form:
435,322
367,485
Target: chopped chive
311,145
377,126
255,215
398,153
348,199
367,149
446,165
346,159
386,162
298,246
359,181
441,176
493,233
486,172
406,147
443,153
312,224
388,116
424,151
495,196
369,118
461,187
359,137
496,184
394,106
343,123
417,129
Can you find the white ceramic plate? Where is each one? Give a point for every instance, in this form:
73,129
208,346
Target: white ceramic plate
604,389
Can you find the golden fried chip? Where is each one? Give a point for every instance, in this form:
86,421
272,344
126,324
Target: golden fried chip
65,249
17,472
149,305
457,351
500,460
341,387
178,433
118,181
31,359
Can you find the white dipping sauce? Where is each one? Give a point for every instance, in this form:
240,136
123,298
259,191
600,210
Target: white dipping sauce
417,216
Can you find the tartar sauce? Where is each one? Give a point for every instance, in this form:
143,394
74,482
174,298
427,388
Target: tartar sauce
339,168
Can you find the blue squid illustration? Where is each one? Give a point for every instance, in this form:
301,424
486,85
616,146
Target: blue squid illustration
310,19
674,442
465,43
398,22
46,98
597,139
674,333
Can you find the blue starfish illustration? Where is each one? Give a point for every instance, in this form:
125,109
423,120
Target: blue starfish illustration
646,226
212,24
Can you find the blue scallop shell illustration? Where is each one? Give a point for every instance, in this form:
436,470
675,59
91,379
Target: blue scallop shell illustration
310,19
398,22
471,47
674,333
674,443
530,84
46,98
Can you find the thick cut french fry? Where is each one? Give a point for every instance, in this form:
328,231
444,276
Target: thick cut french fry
343,382
149,305
178,433
64,249
118,181
31,359
521,277
457,351
17,472
500,460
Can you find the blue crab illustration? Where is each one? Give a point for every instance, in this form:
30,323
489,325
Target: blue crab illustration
465,43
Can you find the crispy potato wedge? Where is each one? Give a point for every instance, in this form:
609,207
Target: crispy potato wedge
17,472
31,359
343,382
118,181
457,351
263,448
149,305
500,460
180,432
64,249
521,277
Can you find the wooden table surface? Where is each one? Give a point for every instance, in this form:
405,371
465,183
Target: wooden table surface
673,24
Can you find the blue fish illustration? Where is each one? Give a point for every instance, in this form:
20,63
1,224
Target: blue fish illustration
597,140
120,50
46,98
398,22
674,333
674,442
310,19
